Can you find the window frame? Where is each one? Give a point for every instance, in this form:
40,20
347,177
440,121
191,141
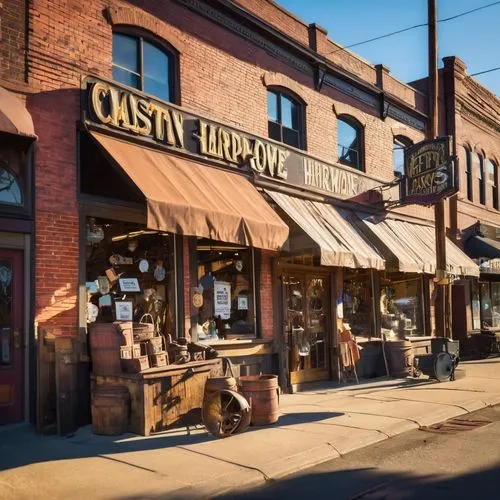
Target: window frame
358,127
166,48
280,92
402,142
481,178
468,174
493,183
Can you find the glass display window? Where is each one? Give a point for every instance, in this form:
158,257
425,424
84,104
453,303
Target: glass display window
129,274
225,293
358,302
401,305
489,292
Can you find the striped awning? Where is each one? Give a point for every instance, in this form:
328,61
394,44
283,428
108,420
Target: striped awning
411,248
333,229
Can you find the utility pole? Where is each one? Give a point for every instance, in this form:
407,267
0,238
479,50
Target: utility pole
441,308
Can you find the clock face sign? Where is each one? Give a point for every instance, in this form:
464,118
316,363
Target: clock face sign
239,265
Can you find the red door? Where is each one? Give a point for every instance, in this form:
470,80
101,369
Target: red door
11,337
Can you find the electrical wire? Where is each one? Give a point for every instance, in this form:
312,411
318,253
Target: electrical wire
485,71
461,14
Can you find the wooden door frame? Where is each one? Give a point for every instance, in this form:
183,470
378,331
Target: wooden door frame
330,274
24,243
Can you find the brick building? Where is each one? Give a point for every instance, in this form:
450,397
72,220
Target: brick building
473,118
178,144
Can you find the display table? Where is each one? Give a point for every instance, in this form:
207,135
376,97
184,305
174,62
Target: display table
164,397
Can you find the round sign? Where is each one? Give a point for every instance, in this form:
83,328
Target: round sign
197,299
143,266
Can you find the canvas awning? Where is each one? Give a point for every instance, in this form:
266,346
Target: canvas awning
189,198
332,228
412,249
481,247
14,117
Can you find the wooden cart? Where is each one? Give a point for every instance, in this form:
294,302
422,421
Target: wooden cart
164,397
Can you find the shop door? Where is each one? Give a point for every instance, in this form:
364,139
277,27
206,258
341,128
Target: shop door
11,349
306,302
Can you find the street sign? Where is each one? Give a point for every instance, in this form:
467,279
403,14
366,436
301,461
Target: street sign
429,173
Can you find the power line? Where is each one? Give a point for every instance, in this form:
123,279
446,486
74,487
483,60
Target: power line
485,71
413,27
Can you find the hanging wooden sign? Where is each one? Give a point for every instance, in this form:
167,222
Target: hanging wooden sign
429,172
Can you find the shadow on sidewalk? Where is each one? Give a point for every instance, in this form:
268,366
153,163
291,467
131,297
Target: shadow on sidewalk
22,446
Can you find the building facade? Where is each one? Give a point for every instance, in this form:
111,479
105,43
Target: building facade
221,169
473,118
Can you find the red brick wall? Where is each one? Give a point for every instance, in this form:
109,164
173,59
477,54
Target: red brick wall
12,41
266,295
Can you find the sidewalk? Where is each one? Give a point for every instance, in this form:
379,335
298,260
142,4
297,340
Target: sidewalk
315,426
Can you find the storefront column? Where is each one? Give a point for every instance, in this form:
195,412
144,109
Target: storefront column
337,315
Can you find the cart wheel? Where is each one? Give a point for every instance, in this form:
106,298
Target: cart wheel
443,367
226,413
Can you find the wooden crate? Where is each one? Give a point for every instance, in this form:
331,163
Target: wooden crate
162,398
160,359
154,346
130,352
135,365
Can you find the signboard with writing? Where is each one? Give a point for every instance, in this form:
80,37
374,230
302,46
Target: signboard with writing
429,172
170,127
222,299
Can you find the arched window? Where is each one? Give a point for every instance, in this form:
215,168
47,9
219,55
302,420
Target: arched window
468,174
143,65
350,142
398,154
285,116
493,182
10,190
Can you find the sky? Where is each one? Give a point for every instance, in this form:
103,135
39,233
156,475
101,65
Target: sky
475,38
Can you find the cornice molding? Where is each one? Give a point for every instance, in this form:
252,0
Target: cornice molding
302,58
467,111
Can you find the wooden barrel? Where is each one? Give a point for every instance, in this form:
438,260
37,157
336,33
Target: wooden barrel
261,391
400,354
110,410
215,384
105,341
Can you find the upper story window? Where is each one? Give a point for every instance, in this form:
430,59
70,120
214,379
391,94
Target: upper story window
350,142
468,174
481,180
493,181
142,65
285,116
398,154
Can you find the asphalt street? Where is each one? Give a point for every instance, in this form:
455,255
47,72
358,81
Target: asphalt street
458,460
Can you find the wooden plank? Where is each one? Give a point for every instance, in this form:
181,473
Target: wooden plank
312,375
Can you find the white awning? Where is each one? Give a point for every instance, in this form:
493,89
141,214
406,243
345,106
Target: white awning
413,247
334,231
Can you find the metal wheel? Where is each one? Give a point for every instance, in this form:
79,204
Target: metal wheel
443,366
226,413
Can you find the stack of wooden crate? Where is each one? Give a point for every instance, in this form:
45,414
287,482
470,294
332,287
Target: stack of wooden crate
142,347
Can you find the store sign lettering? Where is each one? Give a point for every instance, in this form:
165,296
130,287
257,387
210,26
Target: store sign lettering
334,180
228,145
429,172
124,110
162,124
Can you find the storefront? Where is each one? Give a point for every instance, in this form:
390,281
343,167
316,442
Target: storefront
484,293
240,243
17,368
